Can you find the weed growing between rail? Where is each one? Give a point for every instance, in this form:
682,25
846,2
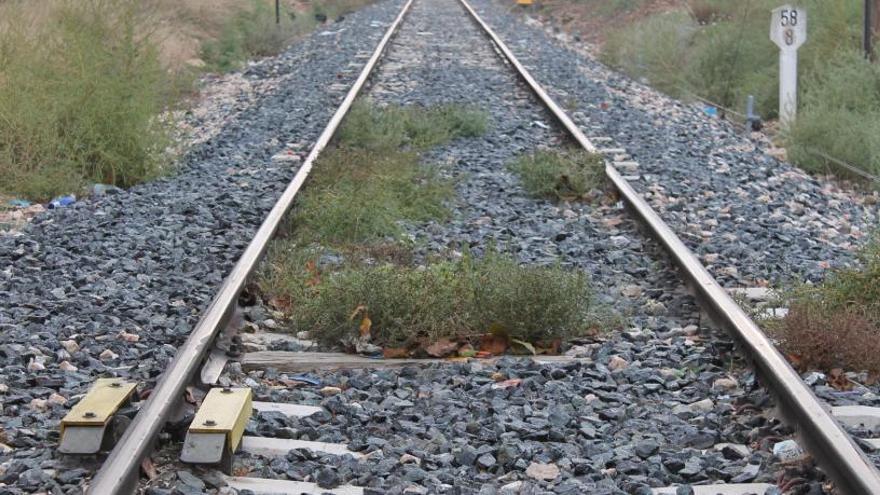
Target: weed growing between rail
567,175
395,128
457,300
361,191
837,323
347,276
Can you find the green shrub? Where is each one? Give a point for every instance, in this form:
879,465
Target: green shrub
343,262
254,33
840,115
560,175
78,100
456,300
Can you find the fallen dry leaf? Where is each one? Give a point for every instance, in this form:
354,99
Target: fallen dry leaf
493,344
522,347
513,382
281,303
441,348
395,353
838,380
365,326
149,468
315,278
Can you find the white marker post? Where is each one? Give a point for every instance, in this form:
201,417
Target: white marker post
788,29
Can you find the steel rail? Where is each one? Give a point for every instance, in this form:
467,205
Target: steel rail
119,473
826,440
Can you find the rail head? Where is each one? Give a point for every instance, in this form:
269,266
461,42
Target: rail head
843,461
119,473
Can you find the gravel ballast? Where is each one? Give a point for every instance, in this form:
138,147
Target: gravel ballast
662,402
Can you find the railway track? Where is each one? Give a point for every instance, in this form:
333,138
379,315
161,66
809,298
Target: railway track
813,423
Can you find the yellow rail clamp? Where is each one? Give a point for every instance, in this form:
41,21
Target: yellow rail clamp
523,2
216,431
84,429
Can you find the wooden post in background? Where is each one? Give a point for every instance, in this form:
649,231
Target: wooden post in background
277,11
875,22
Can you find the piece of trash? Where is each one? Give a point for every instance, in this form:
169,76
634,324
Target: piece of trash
467,351
62,201
311,380
102,189
540,124
710,111
19,203
788,451
513,382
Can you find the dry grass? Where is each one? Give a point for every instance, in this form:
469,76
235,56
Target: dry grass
818,338
837,324
179,26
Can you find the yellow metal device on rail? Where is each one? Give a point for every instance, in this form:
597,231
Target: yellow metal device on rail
524,2
218,426
84,428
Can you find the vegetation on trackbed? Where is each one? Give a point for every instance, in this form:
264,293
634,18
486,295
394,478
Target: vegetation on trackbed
561,175
83,82
345,272
720,50
837,323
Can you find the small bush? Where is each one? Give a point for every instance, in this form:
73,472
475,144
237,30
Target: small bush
837,324
78,100
840,115
254,33
456,300
251,33
344,265
821,338
560,175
